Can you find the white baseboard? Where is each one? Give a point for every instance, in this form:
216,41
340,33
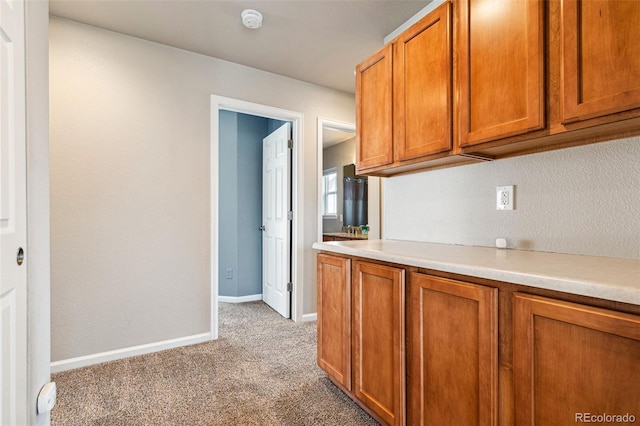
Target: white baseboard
84,361
241,299
309,317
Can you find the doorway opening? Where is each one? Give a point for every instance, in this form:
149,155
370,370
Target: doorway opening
336,140
219,103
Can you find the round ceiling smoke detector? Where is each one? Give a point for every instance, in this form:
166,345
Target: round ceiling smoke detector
251,19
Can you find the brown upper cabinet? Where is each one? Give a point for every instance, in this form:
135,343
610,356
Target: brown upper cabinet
600,58
422,87
500,74
374,105
488,79
404,97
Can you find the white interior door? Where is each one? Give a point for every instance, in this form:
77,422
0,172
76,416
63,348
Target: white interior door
276,202
13,277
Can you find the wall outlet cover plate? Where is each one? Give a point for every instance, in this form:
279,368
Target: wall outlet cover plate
504,197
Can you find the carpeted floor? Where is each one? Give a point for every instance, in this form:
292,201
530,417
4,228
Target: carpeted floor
262,371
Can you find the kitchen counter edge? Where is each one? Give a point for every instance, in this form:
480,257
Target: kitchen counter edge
608,278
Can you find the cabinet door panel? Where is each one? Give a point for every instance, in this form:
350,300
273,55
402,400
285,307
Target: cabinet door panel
422,86
572,359
601,57
453,353
374,130
378,340
334,318
501,69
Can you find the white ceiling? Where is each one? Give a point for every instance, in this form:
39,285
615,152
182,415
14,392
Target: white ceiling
331,136
315,41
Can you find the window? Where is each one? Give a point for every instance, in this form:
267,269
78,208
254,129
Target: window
330,193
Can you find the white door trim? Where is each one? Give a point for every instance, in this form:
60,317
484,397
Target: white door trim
375,183
297,120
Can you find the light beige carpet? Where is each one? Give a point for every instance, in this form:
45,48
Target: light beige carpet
262,371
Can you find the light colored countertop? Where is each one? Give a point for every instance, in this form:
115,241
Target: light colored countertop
602,277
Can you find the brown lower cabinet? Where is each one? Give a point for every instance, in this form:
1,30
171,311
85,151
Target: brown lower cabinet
378,340
453,352
334,318
482,353
361,342
574,363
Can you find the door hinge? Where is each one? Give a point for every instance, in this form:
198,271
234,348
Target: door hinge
290,143
289,215
289,286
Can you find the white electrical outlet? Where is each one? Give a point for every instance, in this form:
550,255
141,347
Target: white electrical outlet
504,197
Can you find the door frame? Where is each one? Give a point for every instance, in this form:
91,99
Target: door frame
374,183
219,103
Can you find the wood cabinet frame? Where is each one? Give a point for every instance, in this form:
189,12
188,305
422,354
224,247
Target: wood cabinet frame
508,348
395,99
551,114
568,121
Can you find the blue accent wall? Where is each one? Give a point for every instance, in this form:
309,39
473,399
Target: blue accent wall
251,131
273,125
228,203
240,206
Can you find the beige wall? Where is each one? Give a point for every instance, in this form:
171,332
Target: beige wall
130,219
583,200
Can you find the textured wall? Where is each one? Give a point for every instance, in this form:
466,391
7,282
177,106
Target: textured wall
583,200
130,219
